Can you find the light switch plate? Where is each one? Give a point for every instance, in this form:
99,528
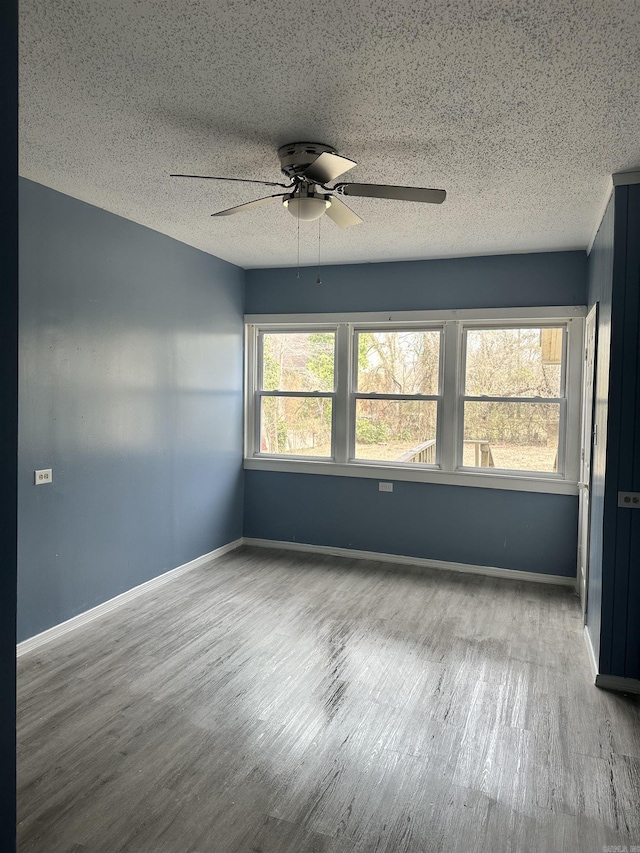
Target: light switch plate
385,487
45,475
629,500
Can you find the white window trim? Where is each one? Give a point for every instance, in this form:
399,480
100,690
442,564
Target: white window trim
453,323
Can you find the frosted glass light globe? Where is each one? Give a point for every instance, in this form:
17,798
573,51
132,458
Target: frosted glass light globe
307,208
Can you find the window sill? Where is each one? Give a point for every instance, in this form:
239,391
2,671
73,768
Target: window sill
509,482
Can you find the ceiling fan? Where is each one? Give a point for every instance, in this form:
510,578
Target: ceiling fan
310,166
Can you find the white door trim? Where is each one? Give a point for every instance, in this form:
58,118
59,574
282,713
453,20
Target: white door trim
586,455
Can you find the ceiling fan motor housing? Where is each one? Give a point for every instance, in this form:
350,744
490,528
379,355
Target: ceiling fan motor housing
296,157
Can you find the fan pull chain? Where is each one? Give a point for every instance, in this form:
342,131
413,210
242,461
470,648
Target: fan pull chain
298,217
319,280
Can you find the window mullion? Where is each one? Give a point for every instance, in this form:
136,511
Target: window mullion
574,364
301,394
341,426
485,398
449,408
251,368
374,396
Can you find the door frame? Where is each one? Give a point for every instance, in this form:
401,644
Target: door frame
586,452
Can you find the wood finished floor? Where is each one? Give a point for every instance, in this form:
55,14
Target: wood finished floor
286,703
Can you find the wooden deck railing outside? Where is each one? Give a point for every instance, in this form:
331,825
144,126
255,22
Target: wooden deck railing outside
425,453
422,454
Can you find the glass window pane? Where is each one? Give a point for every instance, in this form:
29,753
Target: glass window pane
396,430
514,362
514,436
297,361
405,362
296,426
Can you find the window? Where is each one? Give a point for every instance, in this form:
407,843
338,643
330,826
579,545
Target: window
514,398
479,398
296,394
397,395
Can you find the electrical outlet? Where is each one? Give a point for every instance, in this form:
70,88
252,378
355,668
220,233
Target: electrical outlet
385,487
45,475
630,500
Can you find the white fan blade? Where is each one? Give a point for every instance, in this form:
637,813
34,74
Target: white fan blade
341,214
248,205
327,167
237,180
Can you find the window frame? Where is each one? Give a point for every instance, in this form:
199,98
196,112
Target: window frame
561,401
261,393
355,394
454,325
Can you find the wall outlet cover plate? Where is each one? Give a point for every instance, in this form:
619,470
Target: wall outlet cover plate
629,500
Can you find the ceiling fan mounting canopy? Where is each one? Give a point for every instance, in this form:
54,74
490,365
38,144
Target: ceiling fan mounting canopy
295,157
309,165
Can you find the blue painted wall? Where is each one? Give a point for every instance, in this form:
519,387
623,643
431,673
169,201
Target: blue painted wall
496,281
600,290
131,390
517,530
620,625
452,523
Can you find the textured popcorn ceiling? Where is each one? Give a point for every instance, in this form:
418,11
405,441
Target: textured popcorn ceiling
520,110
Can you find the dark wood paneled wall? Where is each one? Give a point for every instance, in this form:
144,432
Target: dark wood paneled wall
8,412
620,630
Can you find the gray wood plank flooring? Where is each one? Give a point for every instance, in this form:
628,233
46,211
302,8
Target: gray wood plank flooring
284,703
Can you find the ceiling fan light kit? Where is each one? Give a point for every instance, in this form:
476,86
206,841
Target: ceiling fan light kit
308,207
312,165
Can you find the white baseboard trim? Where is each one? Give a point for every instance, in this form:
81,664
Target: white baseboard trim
488,571
591,654
107,606
609,682
617,682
